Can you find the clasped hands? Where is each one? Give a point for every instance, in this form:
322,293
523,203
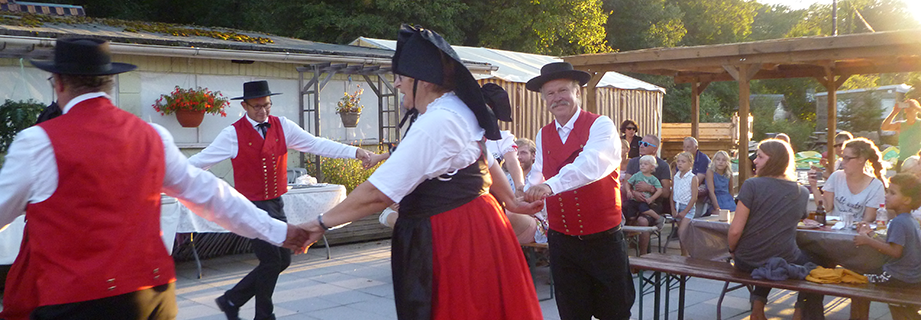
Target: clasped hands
301,237
370,159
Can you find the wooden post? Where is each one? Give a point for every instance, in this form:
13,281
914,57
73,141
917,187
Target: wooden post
696,89
831,85
590,99
743,74
745,167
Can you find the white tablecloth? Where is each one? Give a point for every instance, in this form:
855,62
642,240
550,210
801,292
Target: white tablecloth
301,205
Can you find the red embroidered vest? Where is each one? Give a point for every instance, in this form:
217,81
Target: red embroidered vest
260,170
98,235
586,210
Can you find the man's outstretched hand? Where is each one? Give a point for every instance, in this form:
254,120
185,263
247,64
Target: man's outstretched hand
364,156
537,193
297,239
521,206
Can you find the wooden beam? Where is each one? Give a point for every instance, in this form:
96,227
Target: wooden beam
874,41
745,167
696,89
590,92
831,85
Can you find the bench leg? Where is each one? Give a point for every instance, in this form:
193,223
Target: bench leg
658,295
642,282
682,280
668,290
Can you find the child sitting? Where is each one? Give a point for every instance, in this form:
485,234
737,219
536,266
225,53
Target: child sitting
903,244
684,195
719,182
647,167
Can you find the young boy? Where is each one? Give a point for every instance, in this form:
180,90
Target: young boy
903,244
647,167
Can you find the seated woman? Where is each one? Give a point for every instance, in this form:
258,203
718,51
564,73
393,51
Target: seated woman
770,205
856,191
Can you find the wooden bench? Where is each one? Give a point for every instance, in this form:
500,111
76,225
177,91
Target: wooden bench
684,267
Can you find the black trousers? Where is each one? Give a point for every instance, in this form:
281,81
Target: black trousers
260,282
591,275
149,304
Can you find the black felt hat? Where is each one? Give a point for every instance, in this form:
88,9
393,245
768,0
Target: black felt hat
255,89
557,70
419,56
82,57
497,99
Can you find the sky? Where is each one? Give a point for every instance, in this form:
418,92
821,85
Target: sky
913,5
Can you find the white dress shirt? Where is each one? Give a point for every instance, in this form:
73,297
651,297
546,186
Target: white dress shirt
30,175
599,157
225,145
444,139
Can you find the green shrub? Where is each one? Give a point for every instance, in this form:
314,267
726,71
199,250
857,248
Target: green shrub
347,172
16,116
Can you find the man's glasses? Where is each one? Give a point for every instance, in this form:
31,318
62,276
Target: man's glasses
630,128
645,144
266,106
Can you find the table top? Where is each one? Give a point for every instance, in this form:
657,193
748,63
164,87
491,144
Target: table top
708,240
301,205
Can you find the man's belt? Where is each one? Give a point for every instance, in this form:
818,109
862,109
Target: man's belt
593,236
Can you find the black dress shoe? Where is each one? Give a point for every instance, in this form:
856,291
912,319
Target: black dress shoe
232,312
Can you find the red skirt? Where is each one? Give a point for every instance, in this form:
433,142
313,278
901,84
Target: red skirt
478,269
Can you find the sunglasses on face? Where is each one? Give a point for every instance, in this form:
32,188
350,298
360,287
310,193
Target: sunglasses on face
646,144
630,128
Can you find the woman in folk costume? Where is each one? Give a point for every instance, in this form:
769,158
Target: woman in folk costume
454,253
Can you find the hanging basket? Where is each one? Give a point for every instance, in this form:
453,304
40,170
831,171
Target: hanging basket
349,119
190,119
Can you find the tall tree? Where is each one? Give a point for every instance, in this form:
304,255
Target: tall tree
775,22
640,24
716,21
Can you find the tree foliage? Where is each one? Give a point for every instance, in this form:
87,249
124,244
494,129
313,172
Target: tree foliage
640,24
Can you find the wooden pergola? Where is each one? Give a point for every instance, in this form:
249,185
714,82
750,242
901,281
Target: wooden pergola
831,60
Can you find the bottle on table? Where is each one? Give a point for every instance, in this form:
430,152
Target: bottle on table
882,217
820,213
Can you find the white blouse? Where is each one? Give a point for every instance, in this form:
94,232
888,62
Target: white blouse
444,139
682,187
498,148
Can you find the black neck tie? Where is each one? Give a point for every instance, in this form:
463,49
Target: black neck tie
264,127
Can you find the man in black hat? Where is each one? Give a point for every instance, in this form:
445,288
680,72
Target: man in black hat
579,153
258,145
89,182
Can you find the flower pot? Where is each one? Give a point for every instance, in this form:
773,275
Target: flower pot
349,119
189,119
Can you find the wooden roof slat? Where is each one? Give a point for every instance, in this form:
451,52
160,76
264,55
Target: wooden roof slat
871,40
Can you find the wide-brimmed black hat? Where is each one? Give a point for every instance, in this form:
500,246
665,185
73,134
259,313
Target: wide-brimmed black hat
497,99
557,70
255,89
82,57
419,56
